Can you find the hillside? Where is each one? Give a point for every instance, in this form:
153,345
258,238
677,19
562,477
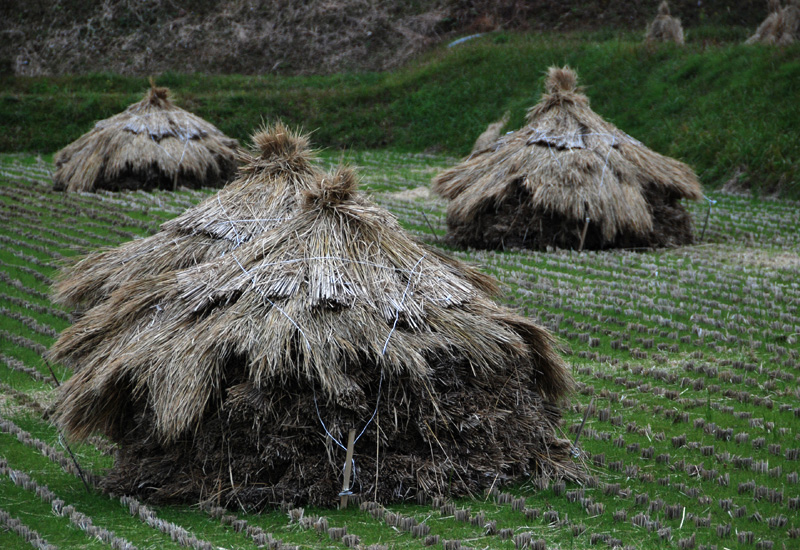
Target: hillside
145,37
727,109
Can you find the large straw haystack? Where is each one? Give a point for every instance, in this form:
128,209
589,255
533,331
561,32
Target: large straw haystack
490,134
153,144
265,193
665,28
238,379
568,179
781,27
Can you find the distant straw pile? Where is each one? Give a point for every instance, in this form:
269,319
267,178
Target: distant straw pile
665,28
568,179
237,379
265,193
781,27
153,144
490,135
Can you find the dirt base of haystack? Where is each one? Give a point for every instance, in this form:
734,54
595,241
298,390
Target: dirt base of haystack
514,224
266,447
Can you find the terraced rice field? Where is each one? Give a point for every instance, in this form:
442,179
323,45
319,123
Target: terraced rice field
687,364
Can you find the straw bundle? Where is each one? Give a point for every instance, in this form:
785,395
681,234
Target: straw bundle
568,179
235,379
490,135
665,28
152,144
265,193
781,27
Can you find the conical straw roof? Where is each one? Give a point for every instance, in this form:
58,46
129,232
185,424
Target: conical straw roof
539,185
265,193
152,144
665,27
241,376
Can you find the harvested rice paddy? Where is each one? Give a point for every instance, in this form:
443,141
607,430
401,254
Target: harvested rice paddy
686,360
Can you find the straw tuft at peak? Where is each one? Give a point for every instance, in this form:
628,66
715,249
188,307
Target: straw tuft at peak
278,140
663,8
158,95
332,189
561,80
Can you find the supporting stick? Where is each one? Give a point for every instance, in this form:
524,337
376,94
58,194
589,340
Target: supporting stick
75,462
377,451
52,372
348,466
64,441
435,236
583,234
585,416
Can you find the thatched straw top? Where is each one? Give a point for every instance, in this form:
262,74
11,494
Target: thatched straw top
338,284
266,192
663,8
152,144
568,161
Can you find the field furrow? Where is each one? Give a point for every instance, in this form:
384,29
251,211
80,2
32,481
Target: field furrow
685,412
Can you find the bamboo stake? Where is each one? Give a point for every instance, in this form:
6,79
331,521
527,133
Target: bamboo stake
348,466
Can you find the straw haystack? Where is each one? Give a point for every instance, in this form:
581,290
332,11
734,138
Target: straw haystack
665,28
238,379
153,144
265,193
489,136
568,179
781,27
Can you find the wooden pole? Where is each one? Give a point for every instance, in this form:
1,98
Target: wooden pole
585,416
583,234
348,467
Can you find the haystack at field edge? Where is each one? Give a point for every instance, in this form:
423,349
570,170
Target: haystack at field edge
567,179
665,27
153,144
781,26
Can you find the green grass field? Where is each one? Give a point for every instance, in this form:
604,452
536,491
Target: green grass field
686,360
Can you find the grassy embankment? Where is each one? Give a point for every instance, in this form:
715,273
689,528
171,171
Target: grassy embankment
727,109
